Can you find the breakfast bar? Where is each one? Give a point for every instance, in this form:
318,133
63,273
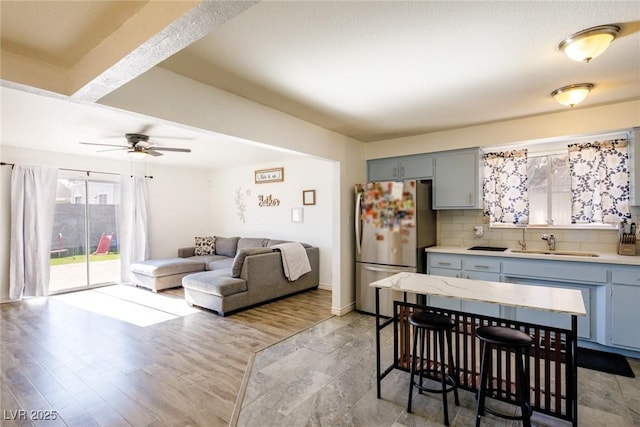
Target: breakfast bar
553,364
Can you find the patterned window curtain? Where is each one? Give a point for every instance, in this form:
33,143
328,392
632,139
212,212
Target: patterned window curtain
599,182
505,191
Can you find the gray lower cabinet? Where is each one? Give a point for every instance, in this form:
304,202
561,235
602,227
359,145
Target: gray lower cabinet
591,279
464,267
561,274
624,308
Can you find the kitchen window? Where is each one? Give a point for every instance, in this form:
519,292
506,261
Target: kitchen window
549,183
566,185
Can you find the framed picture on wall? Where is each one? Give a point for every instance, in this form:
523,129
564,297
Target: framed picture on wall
309,197
263,176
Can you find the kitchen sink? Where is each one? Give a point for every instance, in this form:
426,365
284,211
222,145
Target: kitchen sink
487,248
542,252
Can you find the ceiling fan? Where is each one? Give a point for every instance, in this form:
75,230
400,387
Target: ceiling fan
138,144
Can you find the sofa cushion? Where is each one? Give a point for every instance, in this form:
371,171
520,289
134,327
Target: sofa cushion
226,246
207,259
273,242
224,263
236,267
215,283
251,242
166,267
205,245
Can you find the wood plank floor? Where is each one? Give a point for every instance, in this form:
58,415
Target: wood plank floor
88,369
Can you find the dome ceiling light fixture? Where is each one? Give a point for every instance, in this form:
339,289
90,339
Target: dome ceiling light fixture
587,44
572,94
137,153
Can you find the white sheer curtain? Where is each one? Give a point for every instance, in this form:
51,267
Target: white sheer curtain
134,225
33,202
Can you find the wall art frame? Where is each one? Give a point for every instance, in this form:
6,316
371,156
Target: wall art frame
263,176
308,197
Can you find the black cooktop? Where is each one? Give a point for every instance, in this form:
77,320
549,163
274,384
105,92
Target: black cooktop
487,248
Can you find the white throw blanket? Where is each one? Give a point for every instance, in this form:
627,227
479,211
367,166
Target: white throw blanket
294,260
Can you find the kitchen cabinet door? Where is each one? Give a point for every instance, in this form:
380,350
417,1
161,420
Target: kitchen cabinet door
625,315
456,180
419,166
634,166
382,170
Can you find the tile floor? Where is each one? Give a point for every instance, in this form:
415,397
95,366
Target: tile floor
325,376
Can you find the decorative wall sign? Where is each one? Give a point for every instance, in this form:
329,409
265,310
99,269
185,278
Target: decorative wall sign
263,176
309,197
267,201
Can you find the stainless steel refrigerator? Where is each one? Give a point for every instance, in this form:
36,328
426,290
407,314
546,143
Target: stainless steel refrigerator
394,223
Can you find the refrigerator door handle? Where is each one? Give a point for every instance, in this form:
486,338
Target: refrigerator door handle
356,221
385,269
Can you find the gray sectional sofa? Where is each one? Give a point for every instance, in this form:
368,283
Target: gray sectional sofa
243,272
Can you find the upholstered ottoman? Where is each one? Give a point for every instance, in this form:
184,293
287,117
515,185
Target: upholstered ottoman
158,274
215,290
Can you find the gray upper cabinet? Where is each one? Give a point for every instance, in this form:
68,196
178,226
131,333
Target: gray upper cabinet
634,166
457,180
419,166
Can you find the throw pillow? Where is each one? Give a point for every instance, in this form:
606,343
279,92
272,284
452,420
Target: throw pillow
205,245
236,268
226,246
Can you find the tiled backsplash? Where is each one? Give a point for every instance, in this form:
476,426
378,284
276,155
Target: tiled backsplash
455,228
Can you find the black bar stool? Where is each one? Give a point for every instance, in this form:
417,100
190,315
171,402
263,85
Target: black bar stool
519,342
442,326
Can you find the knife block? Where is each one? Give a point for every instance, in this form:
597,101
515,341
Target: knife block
627,248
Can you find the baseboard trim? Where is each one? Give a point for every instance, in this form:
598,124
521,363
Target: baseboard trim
325,287
336,311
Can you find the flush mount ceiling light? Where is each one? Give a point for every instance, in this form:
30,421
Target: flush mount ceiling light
572,94
587,44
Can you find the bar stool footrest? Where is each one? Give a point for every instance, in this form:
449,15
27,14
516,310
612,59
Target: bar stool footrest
450,382
491,393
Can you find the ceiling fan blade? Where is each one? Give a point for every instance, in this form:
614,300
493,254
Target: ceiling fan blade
145,129
180,150
113,149
103,145
153,153
186,138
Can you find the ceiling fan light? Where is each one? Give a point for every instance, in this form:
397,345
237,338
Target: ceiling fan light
137,154
572,94
587,44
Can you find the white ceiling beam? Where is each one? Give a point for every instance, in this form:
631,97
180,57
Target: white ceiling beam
108,66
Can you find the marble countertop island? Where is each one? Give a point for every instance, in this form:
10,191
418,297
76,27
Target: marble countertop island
559,300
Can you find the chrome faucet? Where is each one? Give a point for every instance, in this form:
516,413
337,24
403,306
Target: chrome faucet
551,241
523,243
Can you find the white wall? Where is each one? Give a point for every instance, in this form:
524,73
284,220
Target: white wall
571,122
175,196
275,222
186,101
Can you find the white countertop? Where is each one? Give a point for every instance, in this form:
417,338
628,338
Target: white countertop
603,258
559,300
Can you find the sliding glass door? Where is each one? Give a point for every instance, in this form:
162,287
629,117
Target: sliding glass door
84,243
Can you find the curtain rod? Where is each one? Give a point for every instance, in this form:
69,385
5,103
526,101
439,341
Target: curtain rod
77,170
